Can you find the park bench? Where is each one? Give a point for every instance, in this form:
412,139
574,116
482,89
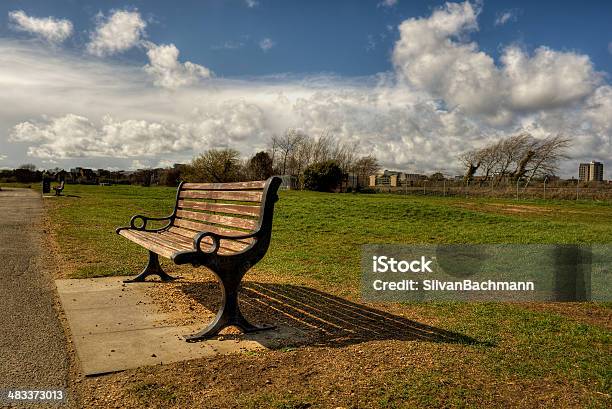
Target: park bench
58,189
225,227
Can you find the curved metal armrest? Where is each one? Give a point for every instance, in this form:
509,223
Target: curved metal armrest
216,239
145,219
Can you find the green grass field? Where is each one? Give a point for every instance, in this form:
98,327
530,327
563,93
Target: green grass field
317,237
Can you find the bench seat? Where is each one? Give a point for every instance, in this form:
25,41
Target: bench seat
168,243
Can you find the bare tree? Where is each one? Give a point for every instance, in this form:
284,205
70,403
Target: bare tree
364,167
489,160
286,146
294,151
516,157
471,161
511,150
547,154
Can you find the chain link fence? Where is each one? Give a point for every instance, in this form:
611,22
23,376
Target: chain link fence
539,190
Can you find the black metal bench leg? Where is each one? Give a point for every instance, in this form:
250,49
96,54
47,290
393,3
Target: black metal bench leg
153,268
228,315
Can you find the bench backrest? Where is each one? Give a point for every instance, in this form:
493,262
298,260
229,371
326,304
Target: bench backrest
227,208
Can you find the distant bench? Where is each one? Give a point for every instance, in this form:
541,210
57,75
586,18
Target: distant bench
58,189
223,226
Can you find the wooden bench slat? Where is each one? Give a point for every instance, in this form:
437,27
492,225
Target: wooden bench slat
247,224
187,244
237,245
174,245
229,245
245,210
259,184
198,227
242,196
149,245
163,241
189,234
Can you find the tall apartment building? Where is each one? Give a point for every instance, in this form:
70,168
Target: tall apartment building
590,172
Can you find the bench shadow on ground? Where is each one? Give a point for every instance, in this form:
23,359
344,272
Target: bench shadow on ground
60,196
318,318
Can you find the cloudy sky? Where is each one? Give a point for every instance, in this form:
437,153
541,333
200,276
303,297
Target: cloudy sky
109,84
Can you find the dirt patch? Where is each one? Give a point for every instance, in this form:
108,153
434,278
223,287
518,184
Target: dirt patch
369,375
555,211
505,208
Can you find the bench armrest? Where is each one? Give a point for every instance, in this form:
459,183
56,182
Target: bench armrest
145,220
216,239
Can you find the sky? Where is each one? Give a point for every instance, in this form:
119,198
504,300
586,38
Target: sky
126,85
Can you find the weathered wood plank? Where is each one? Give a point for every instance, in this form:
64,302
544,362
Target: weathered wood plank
198,227
189,234
247,224
242,196
166,245
163,251
245,210
159,239
259,184
229,245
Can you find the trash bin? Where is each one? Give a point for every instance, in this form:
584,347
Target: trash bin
46,185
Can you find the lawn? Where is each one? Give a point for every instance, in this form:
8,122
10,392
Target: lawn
555,355
319,235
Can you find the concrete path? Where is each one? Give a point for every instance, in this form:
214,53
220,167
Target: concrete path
116,326
33,350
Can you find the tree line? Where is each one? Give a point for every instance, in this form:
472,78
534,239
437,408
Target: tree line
515,158
318,163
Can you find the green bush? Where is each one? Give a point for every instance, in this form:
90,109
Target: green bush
323,176
367,190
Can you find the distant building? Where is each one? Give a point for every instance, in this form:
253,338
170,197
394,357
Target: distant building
597,171
394,178
590,172
583,172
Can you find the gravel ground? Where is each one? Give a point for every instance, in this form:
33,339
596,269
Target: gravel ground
33,348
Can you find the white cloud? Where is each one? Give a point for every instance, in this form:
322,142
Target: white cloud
546,79
49,28
2,157
124,29
77,136
266,44
387,3
72,135
166,69
506,16
116,33
60,106
433,55
251,3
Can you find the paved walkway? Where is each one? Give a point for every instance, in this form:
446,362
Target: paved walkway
117,326
32,342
